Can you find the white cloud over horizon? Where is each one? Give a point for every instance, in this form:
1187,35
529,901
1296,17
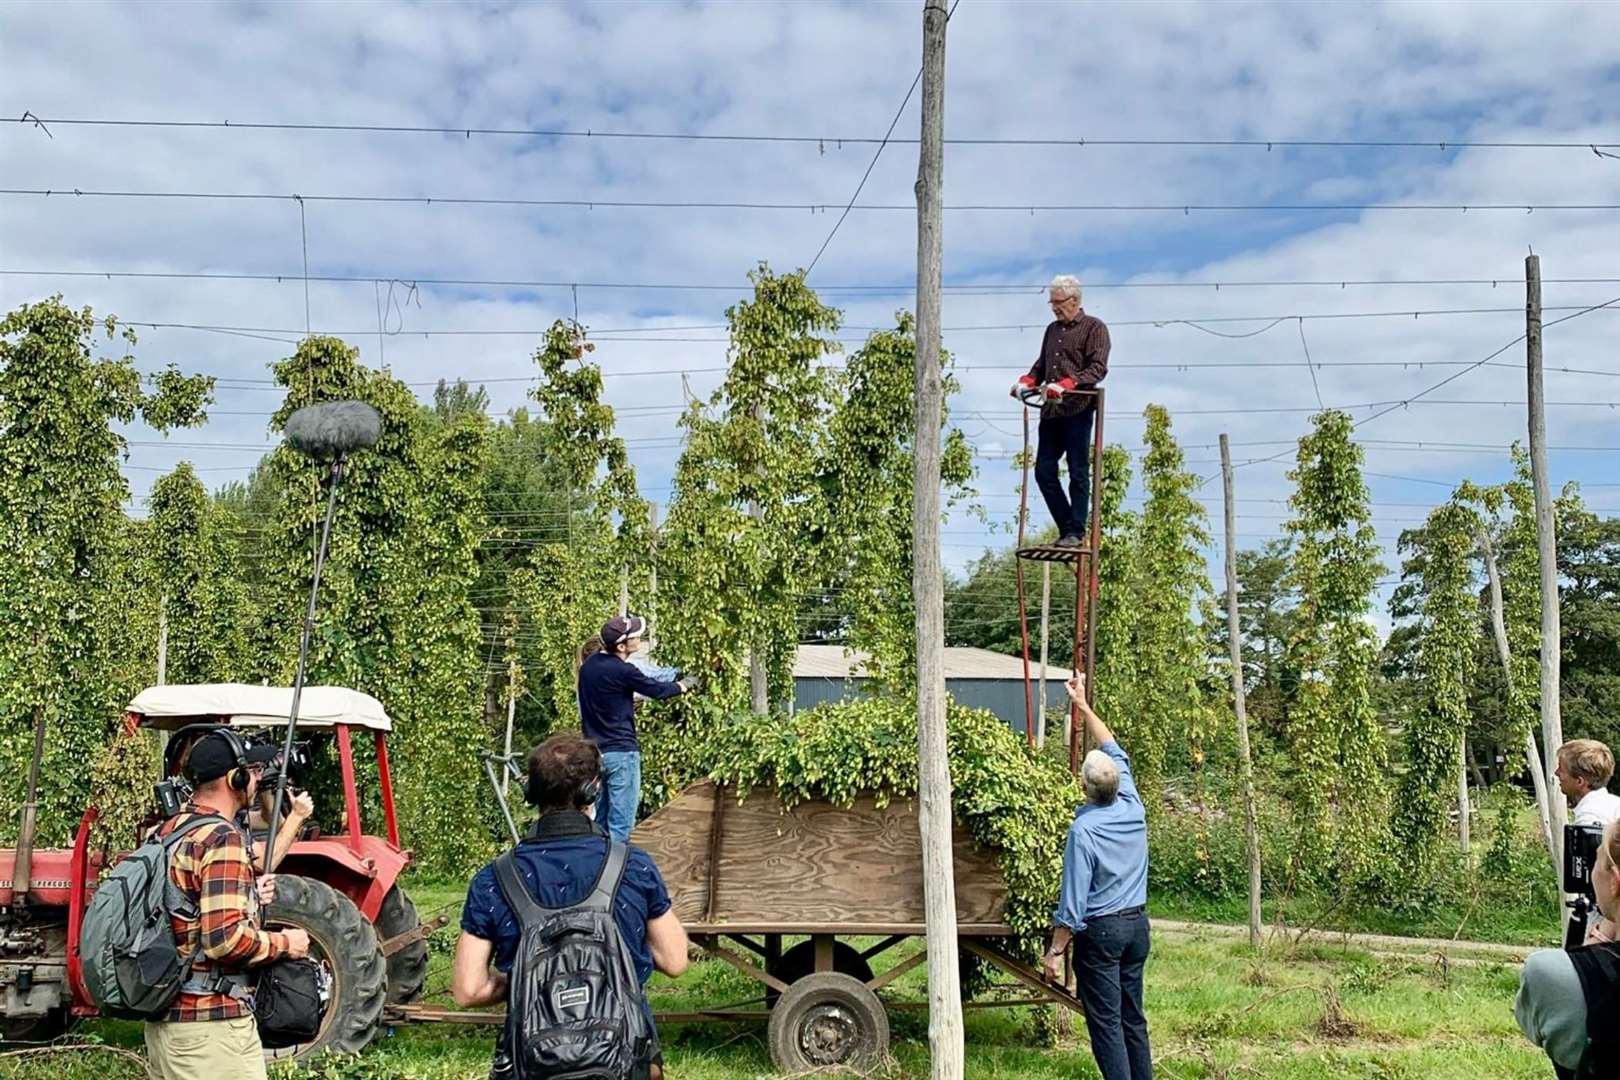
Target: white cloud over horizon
1482,72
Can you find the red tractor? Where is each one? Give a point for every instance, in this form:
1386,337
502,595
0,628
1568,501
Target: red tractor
343,889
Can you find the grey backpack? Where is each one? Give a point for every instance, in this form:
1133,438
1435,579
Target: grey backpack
132,964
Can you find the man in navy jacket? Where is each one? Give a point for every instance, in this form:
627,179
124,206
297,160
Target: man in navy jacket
608,683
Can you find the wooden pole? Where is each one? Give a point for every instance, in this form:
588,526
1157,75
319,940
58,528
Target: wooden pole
1462,793
1234,633
1046,611
163,640
934,815
511,719
1552,721
1532,756
624,590
652,574
759,696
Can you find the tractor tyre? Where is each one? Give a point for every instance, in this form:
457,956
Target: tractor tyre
346,947
407,968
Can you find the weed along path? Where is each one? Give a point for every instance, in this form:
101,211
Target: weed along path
1330,1007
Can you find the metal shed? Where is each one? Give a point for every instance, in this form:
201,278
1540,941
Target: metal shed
976,677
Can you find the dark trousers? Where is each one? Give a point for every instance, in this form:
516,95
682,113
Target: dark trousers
1109,955
1068,436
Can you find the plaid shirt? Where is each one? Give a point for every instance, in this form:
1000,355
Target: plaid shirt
1074,355
211,867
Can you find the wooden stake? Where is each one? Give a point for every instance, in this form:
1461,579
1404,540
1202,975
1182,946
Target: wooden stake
1552,721
1532,757
934,815
1234,633
759,695
511,718
163,640
1046,611
1462,793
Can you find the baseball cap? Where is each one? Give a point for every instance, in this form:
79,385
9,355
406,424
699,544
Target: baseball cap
211,758
622,626
262,753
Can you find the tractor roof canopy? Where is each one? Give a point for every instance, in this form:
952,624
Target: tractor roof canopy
244,705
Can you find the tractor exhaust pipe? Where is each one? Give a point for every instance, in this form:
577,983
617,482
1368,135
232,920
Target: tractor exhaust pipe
23,869
324,433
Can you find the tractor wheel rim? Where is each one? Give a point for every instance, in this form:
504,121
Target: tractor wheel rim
829,1034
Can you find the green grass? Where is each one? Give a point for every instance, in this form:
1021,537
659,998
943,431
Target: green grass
1216,1011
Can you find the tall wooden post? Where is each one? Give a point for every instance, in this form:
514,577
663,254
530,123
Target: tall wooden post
1046,611
511,721
1552,721
934,816
1462,793
1234,633
1532,756
759,696
163,640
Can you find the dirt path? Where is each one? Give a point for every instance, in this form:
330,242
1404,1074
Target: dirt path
1383,944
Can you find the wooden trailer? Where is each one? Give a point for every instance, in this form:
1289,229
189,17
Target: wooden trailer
744,875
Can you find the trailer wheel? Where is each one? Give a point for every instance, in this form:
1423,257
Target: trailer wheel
407,969
345,945
800,960
828,1020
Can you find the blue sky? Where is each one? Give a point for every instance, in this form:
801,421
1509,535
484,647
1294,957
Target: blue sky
1436,71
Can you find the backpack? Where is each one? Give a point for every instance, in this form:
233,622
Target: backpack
289,1001
133,969
574,1007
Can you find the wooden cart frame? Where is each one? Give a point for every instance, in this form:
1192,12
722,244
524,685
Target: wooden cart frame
745,874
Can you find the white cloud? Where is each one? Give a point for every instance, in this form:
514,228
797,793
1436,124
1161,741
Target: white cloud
1029,70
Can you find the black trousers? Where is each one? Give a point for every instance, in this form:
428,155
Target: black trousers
1109,955
1060,437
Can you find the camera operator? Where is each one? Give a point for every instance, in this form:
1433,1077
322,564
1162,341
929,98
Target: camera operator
1585,767
1569,1001
265,759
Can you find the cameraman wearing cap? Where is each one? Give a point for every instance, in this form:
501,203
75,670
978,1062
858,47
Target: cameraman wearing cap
608,684
264,758
210,1033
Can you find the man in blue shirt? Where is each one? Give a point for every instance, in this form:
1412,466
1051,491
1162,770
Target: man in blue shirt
560,862
1102,904
608,684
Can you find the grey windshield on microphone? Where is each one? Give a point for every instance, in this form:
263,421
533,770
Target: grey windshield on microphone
333,429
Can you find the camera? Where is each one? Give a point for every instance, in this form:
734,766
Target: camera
1581,844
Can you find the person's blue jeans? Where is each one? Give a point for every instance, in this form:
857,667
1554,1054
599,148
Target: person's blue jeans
621,793
1066,436
1109,955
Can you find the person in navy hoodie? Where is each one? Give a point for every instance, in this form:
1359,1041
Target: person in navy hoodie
608,684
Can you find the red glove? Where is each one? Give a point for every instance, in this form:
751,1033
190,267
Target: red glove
1056,390
1025,382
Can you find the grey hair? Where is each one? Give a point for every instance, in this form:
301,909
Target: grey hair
1099,776
1066,283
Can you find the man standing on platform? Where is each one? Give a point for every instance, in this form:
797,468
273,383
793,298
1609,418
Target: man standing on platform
1073,357
1102,904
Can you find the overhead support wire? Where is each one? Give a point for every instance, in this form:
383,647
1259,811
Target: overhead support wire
817,207
466,132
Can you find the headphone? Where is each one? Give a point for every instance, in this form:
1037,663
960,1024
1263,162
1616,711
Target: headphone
587,794
239,775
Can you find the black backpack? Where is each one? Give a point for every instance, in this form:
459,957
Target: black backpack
574,1007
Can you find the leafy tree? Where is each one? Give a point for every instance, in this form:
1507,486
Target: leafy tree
1168,581
1440,566
864,480
1338,742
200,585
61,526
737,549
568,584
396,619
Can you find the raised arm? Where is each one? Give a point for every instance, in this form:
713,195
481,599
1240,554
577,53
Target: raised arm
1096,730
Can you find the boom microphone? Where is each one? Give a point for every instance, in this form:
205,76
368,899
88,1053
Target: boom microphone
333,429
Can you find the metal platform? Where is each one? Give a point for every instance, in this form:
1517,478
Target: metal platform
1052,553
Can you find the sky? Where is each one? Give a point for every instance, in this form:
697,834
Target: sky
1191,328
